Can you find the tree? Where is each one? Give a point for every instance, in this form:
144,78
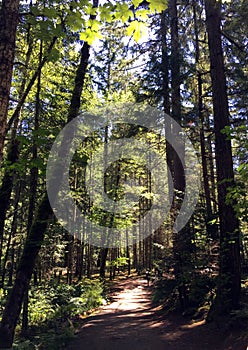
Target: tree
44,212
228,292
8,25
38,229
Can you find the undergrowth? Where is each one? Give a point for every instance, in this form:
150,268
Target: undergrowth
55,311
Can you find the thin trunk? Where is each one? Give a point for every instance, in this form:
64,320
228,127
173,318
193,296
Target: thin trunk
11,235
6,188
104,254
207,192
182,239
104,251
128,254
211,166
44,213
30,85
165,63
89,260
13,152
135,257
33,186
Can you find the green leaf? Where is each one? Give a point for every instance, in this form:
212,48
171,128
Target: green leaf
90,36
50,13
158,5
137,29
142,14
136,3
54,55
106,12
35,11
89,10
242,167
131,28
94,25
122,12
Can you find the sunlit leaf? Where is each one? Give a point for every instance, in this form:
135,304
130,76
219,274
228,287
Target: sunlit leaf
158,5
136,2
137,29
141,14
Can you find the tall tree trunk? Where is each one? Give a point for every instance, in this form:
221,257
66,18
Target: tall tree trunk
12,234
211,163
228,292
165,61
6,188
8,25
33,186
13,149
181,239
38,229
25,92
173,161
205,173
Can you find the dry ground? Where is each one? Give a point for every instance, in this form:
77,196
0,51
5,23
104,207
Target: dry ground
132,322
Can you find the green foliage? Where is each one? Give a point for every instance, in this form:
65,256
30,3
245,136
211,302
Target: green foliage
41,307
201,290
119,262
121,12
164,292
24,345
52,306
51,340
59,302
3,297
237,195
158,5
137,29
53,311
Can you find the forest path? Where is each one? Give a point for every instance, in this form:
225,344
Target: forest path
132,322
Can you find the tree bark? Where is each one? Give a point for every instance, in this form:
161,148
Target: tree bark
12,234
33,188
25,92
8,26
181,239
210,232
36,236
6,188
228,291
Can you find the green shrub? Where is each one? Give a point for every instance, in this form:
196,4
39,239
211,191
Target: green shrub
164,289
200,290
59,302
51,310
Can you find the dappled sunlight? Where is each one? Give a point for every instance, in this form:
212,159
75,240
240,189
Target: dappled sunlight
193,325
131,321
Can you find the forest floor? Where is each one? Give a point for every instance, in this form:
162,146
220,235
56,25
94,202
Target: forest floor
131,321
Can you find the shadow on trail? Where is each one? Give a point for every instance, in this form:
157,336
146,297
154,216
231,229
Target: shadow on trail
131,322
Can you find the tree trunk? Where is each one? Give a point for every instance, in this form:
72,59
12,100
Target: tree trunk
25,92
6,188
8,25
228,292
38,229
33,188
104,254
210,232
13,148
182,239
12,234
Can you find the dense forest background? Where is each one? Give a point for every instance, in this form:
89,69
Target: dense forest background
187,59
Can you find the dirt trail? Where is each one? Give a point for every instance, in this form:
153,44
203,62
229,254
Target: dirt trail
131,322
